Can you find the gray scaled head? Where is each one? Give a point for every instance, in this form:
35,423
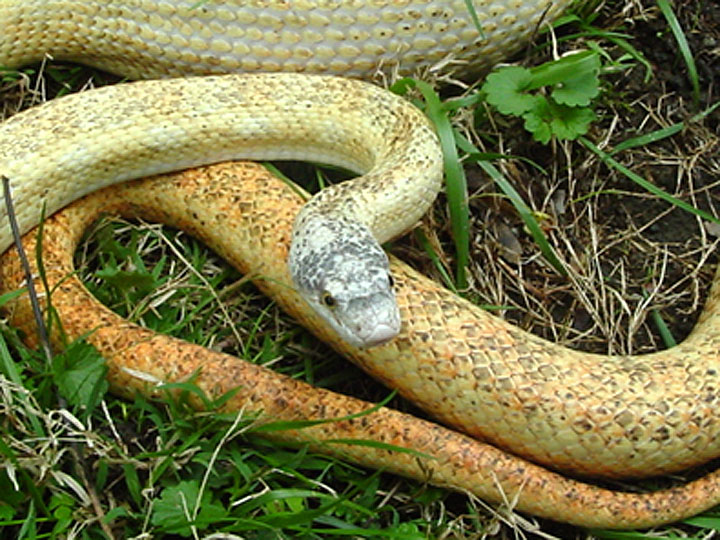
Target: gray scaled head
343,273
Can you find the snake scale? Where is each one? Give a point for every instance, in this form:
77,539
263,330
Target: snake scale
582,413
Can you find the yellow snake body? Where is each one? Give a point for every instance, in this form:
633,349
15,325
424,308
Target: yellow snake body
359,38
59,151
620,416
219,205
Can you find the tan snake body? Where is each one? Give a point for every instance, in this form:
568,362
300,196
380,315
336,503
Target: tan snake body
621,416
219,205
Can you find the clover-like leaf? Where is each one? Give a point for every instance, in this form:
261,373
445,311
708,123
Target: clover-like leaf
505,87
570,122
553,99
537,120
578,91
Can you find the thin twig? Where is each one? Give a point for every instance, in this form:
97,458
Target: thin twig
34,302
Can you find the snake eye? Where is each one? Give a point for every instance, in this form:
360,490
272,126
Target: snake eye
328,299
391,281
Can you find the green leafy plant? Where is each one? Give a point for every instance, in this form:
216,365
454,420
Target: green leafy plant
183,506
79,372
554,99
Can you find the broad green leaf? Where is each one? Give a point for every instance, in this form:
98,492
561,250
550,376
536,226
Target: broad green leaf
79,373
577,91
505,87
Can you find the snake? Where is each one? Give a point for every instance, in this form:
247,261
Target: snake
541,405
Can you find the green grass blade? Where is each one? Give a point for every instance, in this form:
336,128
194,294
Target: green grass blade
685,51
455,182
662,133
526,215
473,15
474,155
663,330
8,366
648,186
618,39
661,326
648,138
283,425
567,67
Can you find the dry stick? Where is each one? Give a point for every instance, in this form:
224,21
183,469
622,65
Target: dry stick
32,293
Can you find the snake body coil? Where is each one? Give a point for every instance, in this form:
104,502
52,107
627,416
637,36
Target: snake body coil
360,38
246,216
620,416
59,151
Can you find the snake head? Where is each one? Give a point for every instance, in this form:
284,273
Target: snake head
342,272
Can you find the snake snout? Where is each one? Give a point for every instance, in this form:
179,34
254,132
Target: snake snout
374,319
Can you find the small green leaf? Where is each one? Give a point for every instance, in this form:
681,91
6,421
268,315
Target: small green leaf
505,87
79,373
572,82
569,123
537,120
577,91
6,512
406,531
63,516
174,511
118,512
